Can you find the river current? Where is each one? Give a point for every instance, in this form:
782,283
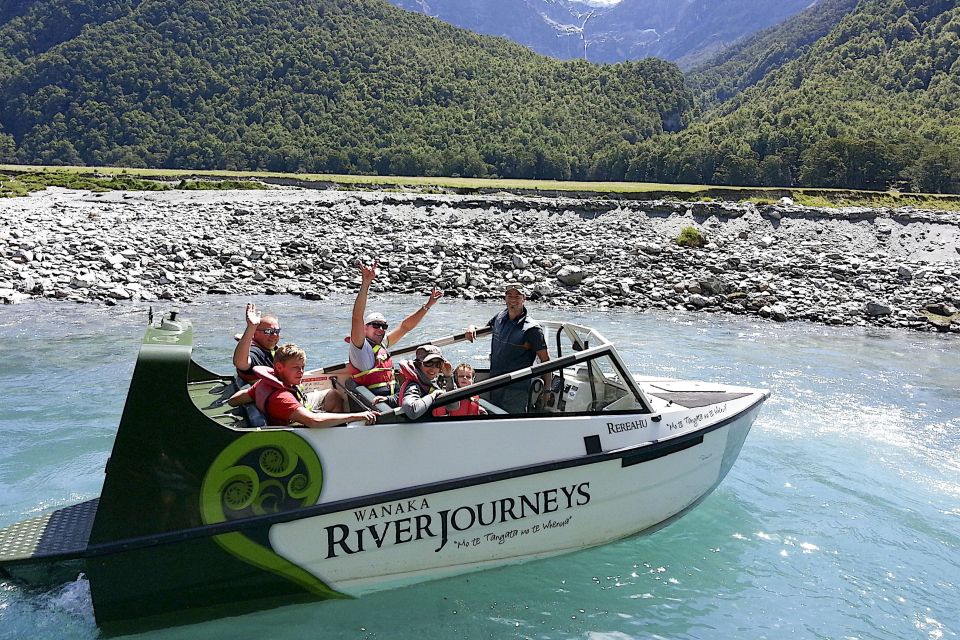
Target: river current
841,518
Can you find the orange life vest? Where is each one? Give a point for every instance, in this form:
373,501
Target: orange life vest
269,385
466,407
380,379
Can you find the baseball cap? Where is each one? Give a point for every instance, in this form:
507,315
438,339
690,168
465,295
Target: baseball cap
429,352
516,286
374,316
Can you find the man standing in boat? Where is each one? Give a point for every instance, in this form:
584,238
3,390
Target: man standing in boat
517,341
281,400
370,362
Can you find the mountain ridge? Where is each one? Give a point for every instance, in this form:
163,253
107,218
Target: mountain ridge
683,31
873,104
360,86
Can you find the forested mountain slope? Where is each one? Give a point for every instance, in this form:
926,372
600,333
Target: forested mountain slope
361,86
30,27
747,63
315,85
874,103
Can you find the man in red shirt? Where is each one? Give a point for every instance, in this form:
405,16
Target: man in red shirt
282,401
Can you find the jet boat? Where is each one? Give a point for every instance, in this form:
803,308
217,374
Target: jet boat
206,511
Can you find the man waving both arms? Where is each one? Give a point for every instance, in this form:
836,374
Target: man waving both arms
370,362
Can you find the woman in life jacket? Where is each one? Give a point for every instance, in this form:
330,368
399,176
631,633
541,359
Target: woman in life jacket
421,386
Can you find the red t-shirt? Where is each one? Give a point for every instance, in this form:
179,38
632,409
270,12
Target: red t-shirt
276,405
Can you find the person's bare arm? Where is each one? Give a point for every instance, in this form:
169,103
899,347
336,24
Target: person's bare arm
323,420
241,354
544,356
411,321
239,398
367,275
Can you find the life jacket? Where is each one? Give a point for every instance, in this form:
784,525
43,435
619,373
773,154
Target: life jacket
410,374
467,407
266,387
380,379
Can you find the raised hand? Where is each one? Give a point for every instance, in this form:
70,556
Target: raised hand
368,272
435,294
253,316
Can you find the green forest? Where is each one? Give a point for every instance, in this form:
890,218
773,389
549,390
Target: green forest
872,104
860,97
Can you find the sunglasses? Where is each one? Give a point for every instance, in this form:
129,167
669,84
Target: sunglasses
378,325
434,364
271,331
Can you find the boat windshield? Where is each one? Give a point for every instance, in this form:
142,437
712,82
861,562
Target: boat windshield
584,375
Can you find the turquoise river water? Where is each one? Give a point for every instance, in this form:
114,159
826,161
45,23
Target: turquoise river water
841,519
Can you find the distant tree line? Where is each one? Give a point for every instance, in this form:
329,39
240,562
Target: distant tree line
358,86
347,87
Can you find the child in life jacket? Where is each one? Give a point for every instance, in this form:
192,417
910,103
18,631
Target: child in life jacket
279,396
422,386
463,377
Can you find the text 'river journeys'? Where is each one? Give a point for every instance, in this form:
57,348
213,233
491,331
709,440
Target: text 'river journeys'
342,539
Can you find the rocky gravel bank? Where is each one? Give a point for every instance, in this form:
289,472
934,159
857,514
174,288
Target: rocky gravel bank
896,268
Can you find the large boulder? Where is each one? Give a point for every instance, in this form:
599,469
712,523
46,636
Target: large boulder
876,308
570,275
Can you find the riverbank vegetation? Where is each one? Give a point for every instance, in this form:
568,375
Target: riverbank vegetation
17,180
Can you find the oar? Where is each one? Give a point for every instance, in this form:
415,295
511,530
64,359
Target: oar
440,342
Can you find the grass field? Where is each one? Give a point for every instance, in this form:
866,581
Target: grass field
18,180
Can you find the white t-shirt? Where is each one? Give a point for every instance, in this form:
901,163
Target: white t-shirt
363,357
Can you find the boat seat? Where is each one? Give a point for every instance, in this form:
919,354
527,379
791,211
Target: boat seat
491,408
363,396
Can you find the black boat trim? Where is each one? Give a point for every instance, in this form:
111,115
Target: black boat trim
629,456
592,444
646,456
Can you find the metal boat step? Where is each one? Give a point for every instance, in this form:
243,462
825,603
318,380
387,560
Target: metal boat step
63,532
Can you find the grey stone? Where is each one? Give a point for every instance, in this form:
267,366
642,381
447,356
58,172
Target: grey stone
119,293
877,308
699,301
779,312
570,275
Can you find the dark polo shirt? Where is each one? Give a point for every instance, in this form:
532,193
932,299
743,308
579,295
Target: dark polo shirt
259,357
515,343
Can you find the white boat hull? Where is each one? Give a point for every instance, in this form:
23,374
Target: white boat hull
491,523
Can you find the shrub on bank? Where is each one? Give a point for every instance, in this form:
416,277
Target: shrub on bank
690,237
